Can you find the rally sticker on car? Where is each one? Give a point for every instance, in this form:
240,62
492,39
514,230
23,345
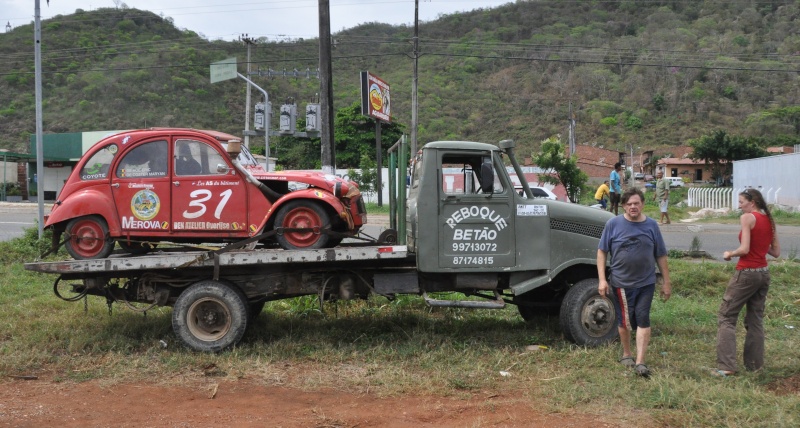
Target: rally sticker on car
145,204
531,210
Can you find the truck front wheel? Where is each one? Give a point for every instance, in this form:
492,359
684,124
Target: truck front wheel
210,316
586,317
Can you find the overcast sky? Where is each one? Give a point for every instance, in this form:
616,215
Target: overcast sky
216,19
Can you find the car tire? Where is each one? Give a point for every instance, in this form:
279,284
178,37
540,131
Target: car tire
302,214
88,238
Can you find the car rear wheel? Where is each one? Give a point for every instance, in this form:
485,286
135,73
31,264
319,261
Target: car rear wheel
88,238
302,214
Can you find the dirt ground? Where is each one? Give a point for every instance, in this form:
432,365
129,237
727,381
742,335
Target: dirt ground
242,403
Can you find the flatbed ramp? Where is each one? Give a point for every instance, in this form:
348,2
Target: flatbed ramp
210,259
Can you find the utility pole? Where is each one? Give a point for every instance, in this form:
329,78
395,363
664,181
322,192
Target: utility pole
326,89
37,42
414,81
572,147
249,42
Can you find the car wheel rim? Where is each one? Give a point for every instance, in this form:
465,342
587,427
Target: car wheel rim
302,218
87,238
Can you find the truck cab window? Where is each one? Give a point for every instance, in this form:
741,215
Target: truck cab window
475,174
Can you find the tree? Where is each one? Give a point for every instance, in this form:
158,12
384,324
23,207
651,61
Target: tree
560,169
367,178
355,136
720,150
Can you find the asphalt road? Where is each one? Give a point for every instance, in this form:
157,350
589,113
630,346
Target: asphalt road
714,238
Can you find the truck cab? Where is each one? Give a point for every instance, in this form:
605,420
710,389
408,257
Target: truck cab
490,238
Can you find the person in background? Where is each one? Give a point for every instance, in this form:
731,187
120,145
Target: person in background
615,189
748,286
635,244
661,196
601,193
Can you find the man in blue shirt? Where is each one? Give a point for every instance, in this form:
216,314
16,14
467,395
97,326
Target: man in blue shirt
635,245
615,189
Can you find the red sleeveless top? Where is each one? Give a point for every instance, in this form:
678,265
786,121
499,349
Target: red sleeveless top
760,241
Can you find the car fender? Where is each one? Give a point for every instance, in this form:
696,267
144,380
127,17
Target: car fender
83,203
312,194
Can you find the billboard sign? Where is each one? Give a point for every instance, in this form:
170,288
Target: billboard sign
375,98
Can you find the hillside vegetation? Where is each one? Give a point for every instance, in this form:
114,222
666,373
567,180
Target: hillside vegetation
648,73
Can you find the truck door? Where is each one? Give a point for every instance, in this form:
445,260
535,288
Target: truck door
205,197
476,227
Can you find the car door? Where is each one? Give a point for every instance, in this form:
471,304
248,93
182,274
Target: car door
209,197
141,188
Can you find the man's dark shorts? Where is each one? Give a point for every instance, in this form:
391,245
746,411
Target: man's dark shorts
635,304
615,198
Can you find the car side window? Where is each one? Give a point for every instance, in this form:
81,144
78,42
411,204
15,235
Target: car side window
96,168
197,158
145,160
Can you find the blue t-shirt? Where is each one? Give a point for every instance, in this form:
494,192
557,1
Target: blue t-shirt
616,185
632,248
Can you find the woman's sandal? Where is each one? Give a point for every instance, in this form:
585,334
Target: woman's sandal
642,370
628,362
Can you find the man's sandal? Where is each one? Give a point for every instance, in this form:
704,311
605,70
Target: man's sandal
628,362
642,370
721,373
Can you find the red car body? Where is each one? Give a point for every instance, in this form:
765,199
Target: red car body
181,185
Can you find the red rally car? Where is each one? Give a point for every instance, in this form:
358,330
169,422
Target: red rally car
190,186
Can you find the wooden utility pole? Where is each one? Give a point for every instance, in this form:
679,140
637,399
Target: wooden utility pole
326,89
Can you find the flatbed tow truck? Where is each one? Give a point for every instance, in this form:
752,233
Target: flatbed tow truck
469,234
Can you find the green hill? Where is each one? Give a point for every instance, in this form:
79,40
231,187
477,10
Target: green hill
648,73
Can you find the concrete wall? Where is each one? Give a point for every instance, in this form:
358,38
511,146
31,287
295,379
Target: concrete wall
776,177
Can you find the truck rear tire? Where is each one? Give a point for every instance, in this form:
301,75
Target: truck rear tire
586,317
210,316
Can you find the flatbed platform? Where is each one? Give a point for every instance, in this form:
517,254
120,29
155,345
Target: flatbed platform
208,259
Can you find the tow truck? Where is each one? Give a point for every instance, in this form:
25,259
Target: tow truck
469,234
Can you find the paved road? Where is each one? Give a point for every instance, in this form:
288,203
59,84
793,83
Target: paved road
714,238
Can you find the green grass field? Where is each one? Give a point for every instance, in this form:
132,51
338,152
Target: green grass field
403,347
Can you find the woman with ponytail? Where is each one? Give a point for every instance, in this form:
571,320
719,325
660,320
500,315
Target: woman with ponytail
748,286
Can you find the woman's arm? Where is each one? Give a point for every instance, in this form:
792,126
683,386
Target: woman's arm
775,247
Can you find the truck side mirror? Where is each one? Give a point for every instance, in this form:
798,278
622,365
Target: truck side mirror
487,177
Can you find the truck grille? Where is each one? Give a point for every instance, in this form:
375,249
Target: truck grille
593,230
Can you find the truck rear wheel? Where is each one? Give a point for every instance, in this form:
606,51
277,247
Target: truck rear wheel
586,317
210,316
302,214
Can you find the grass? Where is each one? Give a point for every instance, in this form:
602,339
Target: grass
403,347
